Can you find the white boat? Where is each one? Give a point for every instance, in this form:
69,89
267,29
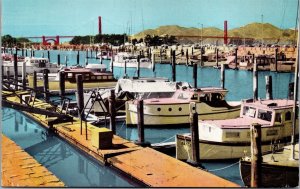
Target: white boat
135,88
210,103
104,55
32,64
230,138
131,61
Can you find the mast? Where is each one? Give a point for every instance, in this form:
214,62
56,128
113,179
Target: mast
296,80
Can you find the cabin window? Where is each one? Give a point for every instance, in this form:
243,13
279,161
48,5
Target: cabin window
70,75
264,115
158,109
288,116
93,77
98,77
194,97
272,132
104,77
110,77
248,111
170,109
232,134
278,117
179,108
182,96
216,97
204,98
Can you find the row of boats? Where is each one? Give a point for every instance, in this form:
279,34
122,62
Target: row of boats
224,127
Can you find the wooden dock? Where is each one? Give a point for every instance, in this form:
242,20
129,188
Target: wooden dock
19,169
146,165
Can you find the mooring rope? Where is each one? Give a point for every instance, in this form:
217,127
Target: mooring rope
166,139
223,167
121,128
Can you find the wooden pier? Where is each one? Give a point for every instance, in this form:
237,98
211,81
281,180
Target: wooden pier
19,169
143,164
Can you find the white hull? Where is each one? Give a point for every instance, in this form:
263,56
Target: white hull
29,69
177,114
133,64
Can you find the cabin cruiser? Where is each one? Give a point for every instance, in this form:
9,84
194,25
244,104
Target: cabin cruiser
230,138
210,103
131,61
32,64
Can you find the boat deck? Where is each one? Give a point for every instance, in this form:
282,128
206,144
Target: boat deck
19,169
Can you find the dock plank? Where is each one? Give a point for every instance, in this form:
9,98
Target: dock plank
159,170
19,169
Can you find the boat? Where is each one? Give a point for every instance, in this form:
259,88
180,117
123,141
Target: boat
230,138
131,61
104,55
94,76
210,103
132,88
32,64
278,169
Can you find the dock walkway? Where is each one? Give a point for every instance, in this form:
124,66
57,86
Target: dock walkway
19,169
144,164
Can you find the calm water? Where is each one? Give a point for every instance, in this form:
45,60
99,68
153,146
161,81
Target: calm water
238,83
73,167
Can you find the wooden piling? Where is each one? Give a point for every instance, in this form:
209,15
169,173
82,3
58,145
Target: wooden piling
48,54
187,57
79,97
222,76
112,111
125,69
77,58
269,92
24,75
66,60
25,52
217,57
236,57
276,59
86,62
195,74
153,61
22,51
34,81
160,55
62,87
87,54
33,53
140,126
138,66
192,51
112,63
46,85
256,155
16,71
43,56
58,59
173,66
201,56
255,81
194,135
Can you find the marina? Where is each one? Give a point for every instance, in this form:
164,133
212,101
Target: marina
157,105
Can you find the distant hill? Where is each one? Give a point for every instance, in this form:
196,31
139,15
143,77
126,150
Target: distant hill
253,30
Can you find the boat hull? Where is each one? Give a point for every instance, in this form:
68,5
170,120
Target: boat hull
177,114
272,176
133,64
29,69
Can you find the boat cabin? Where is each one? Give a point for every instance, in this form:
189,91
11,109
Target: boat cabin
38,62
88,75
212,95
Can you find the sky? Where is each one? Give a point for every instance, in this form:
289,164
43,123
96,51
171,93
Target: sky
26,18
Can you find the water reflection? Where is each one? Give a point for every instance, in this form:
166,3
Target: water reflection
70,165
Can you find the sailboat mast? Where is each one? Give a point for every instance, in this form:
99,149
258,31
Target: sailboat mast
296,80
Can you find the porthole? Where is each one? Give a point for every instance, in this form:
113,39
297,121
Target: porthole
194,108
179,108
170,109
158,109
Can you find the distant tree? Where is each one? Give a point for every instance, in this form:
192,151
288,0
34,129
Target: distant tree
134,41
76,40
8,41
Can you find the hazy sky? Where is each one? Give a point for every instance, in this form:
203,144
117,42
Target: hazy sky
80,17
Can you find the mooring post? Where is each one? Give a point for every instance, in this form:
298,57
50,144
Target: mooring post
48,53
34,81
140,126
87,54
16,71
77,57
66,60
269,92
46,84
276,59
201,56
138,66
222,76
236,57
22,51
153,61
112,111
43,56
187,57
217,57
256,155
25,52
96,53
195,74
91,53
58,59
79,97
112,63
86,62
24,75
194,135
173,66
125,69
33,53
2,71
192,51
160,55
255,81
62,87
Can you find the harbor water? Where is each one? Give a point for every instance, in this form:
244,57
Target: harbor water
238,83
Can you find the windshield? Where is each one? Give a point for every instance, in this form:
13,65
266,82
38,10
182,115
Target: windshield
264,115
249,111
